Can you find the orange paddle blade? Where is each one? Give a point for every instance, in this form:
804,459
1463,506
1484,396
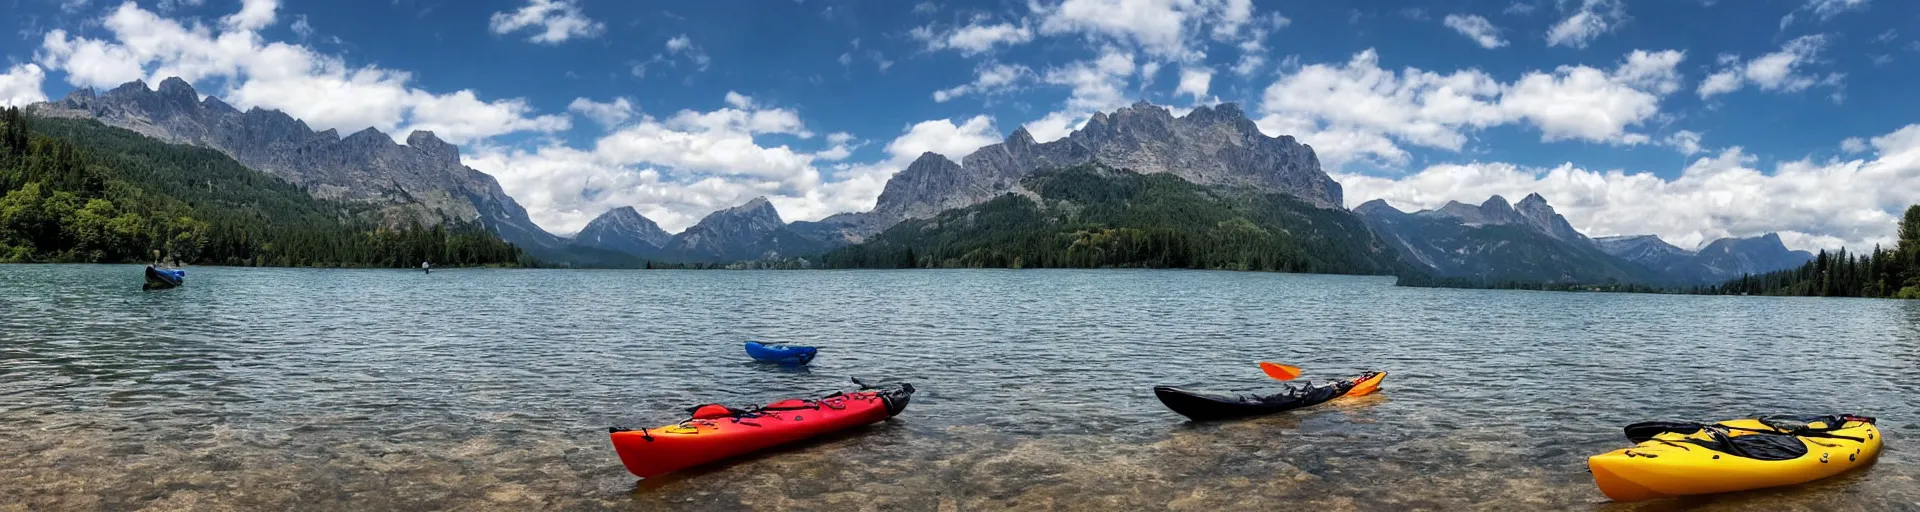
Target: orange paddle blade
1280,371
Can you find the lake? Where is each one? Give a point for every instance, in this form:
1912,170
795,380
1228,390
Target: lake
492,389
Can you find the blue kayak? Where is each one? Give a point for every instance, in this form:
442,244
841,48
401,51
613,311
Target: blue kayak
163,278
790,355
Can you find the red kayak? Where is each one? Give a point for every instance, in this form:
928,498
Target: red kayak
718,432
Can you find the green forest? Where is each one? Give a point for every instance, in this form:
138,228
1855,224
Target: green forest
1883,273
77,191
1096,217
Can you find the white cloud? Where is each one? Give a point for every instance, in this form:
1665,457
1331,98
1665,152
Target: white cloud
253,16
1476,28
1593,19
553,21
682,45
20,86
846,59
320,89
1827,9
1253,49
301,27
677,170
169,5
1778,71
1098,85
1359,110
1687,142
1853,145
942,136
737,100
608,114
1520,8
1812,204
989,78
974,39
1194,82
1170,29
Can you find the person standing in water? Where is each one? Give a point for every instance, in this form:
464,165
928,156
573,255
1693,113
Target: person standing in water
424,267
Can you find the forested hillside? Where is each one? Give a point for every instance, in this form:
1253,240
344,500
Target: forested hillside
1882,273
79,191
1092,216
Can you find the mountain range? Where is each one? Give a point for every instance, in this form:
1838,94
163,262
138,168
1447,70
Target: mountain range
1213,147
1530,242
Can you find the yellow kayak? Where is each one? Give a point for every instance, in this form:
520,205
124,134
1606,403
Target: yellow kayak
1678,459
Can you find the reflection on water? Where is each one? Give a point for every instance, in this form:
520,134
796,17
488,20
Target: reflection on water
491,389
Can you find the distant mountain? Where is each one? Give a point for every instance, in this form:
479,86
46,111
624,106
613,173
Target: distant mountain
624,230
1718,262
1210,146
1495,243
1647,250
752,231
1092,216
422,181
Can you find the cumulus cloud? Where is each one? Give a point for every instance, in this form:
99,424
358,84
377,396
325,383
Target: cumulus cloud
989,78
1169,29
1782,71
1687,142
1812,204
975,38
677,169
1853,145
318,88
1476,28
607,114
1098,85
1194,82
20,86
552,22
1359,110
1591,20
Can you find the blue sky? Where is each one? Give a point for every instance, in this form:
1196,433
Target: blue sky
1691,119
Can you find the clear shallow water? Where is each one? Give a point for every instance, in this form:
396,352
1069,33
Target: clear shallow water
492,389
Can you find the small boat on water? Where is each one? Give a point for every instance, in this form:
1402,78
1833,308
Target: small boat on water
163,278
1673,458
1199,406
789,355
715,432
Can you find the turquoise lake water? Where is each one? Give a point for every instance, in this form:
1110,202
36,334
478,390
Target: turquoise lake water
492,389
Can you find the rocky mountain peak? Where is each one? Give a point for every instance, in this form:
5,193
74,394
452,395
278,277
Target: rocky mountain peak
1496,203
1211,146
134,88
175,87
625,230
1377,207
1019,138
368,137
435,148
1537,212
425,183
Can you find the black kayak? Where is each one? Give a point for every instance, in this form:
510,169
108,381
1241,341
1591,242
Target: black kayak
1206,406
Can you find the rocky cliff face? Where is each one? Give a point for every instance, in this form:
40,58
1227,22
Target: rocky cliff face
422,181
624,230
1215,146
